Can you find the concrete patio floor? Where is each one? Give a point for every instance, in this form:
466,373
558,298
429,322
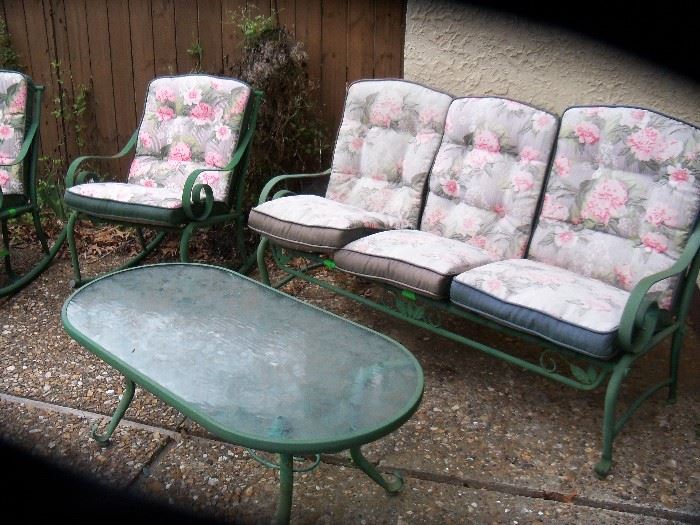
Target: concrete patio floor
489,444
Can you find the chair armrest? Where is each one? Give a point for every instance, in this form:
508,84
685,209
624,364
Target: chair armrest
73,177
641,312
264,194
192,193
26,144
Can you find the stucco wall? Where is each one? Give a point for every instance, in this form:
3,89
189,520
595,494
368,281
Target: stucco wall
469,50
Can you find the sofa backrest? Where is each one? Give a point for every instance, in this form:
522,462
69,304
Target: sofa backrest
488,174
189,122
14,88
390,132
622,197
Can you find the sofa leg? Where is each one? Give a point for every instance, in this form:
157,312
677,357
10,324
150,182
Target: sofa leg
262,247
621,370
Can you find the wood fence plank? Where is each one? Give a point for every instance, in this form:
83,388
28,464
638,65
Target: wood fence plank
232,37
123,74
308,31
42,56
164,54
102,84
389,38
80,73
360,33
142,51
17,28
286,14
186,34
334,60
210,36
66,124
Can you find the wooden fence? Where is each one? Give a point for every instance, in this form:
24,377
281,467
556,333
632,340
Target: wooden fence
115,47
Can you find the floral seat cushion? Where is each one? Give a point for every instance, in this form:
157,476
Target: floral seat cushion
623,195
316,224
13,109
411,259
146,205
387,141
564,307
488,174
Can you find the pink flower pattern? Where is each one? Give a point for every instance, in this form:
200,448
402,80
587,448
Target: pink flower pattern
587,133
13,100
189,114
622,200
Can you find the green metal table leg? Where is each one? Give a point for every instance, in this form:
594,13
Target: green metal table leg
392,487
284,506
127,396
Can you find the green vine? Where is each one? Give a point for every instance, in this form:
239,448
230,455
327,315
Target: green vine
196,52
9,59
71,112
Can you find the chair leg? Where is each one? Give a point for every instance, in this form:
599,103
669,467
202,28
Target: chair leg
70,226
40,230
6,249
262,246
185,242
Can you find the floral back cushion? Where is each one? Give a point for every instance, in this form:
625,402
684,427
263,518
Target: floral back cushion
623,196
190,122
13,111
488,174
386,144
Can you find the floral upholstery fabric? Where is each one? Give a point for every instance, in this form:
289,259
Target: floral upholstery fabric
578,312
130,193
390,132
412,259
623,195
190,122
313,223
488,174
13,109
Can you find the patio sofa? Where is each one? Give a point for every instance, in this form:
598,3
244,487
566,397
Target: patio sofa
578,233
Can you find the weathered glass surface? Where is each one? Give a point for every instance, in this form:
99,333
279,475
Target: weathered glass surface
253,361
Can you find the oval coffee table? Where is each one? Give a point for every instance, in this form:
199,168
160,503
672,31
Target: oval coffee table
252,365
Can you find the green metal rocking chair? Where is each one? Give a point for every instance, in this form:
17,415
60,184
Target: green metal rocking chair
188,171
20,112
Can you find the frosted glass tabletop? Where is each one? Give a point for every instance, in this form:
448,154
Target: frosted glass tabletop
251,364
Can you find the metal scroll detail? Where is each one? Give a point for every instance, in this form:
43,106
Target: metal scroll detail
409,306
552,362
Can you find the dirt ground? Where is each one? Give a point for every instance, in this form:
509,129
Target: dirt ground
490,443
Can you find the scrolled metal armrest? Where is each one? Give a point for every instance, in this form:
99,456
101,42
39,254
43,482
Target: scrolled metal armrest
192,194
75,177
641,313
265,193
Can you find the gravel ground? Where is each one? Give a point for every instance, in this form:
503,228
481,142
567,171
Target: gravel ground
489,444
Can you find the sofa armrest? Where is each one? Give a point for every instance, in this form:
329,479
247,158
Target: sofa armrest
264,194
641,313
74,177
